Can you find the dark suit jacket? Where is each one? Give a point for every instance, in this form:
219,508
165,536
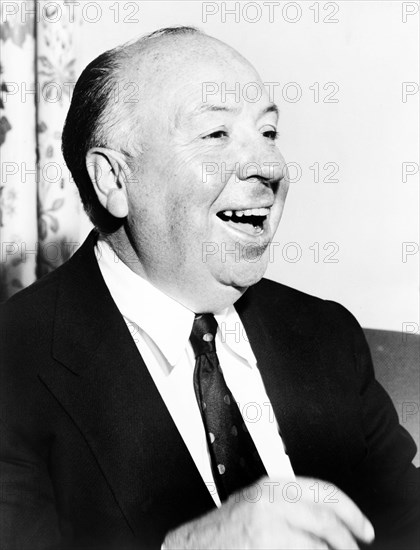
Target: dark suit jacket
90,456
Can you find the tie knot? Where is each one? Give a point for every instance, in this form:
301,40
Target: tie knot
203,334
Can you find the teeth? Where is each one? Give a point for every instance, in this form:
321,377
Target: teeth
253,212
247,212
261,211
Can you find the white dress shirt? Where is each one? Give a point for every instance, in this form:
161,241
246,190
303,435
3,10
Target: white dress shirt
161,327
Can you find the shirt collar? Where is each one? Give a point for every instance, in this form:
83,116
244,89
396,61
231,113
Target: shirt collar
232,335
165,320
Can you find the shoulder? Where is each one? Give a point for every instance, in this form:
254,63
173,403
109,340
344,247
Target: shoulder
276,300
28,329
30,312
37,302
323,327
26,318
26,336
36,292
322,324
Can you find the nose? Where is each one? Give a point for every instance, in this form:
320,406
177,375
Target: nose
260,160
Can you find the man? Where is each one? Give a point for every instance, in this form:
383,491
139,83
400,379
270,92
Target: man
120,427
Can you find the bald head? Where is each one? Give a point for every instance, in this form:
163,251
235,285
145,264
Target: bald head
123,87
164,52
162,64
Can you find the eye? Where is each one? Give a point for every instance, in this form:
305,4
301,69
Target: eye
216,135
271,134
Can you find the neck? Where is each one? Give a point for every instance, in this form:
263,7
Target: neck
213,300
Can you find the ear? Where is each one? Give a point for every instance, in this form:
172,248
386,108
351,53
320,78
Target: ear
108,172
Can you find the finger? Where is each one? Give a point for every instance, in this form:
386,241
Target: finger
303,540
319,522
345,509
352,517
337,537
313,543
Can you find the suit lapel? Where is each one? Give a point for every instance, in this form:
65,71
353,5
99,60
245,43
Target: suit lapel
297,382
105,387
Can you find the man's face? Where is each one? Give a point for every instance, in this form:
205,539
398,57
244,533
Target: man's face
210,188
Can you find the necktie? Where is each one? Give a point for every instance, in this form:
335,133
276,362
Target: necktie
234,457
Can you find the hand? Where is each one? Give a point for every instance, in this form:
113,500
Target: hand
278,514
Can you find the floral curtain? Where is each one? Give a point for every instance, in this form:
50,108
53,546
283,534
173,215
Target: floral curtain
40,206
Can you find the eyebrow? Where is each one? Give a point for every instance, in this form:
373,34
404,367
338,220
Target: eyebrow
272,108
210,107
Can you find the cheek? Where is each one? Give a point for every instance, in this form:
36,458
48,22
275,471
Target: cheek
177,192
203,170
189,199
184,223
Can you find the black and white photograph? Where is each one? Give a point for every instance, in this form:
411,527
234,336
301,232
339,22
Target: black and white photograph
209,275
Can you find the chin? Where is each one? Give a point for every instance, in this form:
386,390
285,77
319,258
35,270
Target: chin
245,274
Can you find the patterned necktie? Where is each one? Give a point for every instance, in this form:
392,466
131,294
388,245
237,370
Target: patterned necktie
234,457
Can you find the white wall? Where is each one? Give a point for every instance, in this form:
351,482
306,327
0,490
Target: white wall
370,212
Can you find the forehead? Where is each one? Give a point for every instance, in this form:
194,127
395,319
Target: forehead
209,88
197,76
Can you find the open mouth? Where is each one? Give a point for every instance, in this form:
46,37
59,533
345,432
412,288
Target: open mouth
250,221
